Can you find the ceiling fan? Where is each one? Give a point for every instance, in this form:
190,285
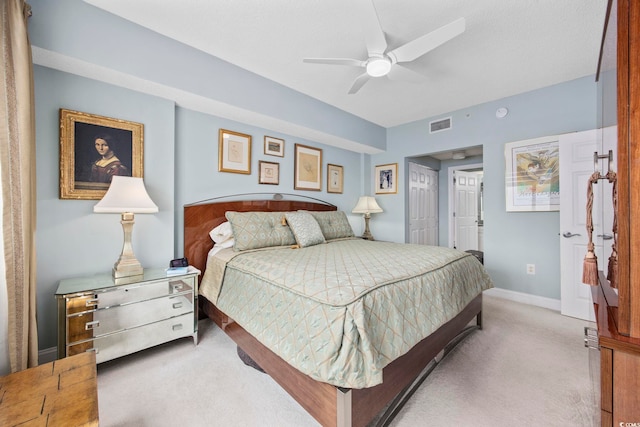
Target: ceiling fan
382,63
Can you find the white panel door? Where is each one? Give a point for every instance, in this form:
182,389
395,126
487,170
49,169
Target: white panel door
576,152
423,205
466,210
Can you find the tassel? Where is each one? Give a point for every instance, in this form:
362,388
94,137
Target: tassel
590,268
612,273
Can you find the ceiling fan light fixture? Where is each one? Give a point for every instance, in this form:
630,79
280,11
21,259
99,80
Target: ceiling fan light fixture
378,67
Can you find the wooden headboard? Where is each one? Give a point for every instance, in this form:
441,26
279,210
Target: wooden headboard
201,218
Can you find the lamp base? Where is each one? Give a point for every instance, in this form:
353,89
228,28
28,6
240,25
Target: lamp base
127,268
367,234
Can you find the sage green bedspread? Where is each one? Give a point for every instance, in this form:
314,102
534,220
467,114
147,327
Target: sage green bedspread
340,312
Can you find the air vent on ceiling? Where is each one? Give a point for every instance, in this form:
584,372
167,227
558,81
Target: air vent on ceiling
440,125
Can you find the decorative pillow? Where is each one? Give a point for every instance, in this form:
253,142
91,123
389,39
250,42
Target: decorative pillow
334,224
255,230
305,228
221,233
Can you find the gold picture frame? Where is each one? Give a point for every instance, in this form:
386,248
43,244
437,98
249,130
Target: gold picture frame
269,173
86,166
386,179
335,178
234,152
273,146
307,168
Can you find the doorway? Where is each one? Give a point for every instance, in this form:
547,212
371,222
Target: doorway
438,205
466,207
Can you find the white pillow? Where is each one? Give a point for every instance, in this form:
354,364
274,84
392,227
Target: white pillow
226,244
221,233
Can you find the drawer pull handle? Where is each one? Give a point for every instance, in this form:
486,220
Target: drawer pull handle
91,325
177,327
91,302
591,339
94,349
177,305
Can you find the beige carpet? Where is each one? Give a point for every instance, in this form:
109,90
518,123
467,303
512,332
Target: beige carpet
527,367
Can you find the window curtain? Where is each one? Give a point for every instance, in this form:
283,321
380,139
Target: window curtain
17,169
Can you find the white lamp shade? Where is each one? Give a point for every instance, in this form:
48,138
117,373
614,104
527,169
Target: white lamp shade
367,204
126,194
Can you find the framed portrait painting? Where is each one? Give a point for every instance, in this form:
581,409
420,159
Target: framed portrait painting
95,148
386,179
307,168
273,146
335,178
269,173
532,175
234,152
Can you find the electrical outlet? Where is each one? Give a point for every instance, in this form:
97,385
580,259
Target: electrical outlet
531,269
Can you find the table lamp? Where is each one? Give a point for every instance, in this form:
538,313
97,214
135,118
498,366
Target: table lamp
127,196
367,205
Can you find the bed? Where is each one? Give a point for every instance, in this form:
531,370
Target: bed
339,386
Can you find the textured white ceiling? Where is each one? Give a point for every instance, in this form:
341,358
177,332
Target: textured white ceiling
509,47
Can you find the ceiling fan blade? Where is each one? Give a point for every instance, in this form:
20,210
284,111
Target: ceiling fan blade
398,72
418,47
335,61
373,35
358,83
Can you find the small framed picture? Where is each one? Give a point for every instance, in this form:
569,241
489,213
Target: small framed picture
269,173
307,168
273,146
335,178
95,148
386,179
234,152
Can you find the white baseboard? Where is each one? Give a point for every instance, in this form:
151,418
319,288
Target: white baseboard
47,355
550,303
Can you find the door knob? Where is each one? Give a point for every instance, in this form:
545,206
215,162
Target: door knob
568,234
605,236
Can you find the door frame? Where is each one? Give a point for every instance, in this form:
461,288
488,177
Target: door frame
451,192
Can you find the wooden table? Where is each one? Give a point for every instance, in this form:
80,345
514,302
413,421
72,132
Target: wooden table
60,393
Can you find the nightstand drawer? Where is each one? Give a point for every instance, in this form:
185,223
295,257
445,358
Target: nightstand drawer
129,341
137,292
93,324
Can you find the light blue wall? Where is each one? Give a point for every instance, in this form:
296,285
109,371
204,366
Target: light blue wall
71,240
197,176
511,240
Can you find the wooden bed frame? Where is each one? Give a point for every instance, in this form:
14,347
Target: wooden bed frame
329,405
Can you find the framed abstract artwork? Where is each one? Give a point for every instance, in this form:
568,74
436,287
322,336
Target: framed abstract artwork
234,152
95,148
532,180
307,168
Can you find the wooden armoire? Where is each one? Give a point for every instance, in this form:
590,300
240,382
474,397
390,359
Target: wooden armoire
618,313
